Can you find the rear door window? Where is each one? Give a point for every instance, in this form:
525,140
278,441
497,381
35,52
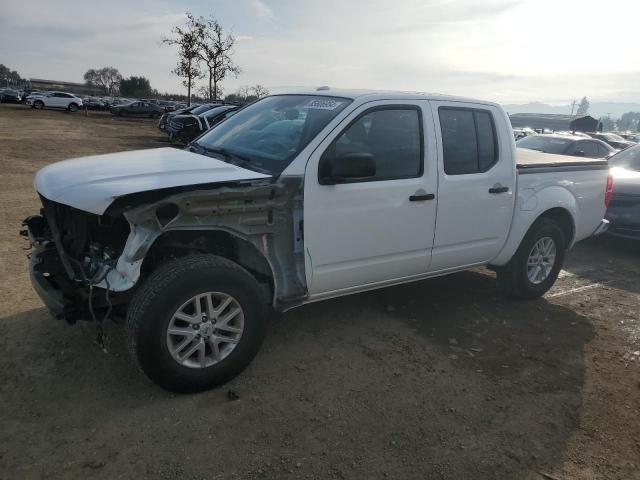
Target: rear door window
469,141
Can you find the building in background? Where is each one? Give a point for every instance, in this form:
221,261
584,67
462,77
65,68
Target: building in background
71,87
555,122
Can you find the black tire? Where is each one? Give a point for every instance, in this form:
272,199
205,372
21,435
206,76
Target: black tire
73,107
174,283
122,113
38,104
513,279
155,115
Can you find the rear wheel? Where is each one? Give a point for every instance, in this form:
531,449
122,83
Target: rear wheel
535,267
122,113
196,323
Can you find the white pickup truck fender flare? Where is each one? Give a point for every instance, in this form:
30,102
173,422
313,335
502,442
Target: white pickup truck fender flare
531,204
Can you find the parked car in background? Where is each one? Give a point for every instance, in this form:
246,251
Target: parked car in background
64,100
10,95
519,133
184,128
616,141
167,105
296,199
631,136
138,109
164,119
624,209
571,145
93,103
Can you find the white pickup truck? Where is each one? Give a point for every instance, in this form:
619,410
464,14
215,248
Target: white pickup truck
299,198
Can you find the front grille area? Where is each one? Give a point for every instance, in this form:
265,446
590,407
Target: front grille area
76,232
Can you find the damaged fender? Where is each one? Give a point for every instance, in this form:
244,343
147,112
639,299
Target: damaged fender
267,215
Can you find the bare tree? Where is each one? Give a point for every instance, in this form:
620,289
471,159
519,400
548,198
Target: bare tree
583,107
259,91
215,51
188,40
106,78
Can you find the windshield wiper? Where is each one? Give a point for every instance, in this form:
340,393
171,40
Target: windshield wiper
231,157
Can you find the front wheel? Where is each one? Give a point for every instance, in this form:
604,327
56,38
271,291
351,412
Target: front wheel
39,104
73,107
196,323
535,266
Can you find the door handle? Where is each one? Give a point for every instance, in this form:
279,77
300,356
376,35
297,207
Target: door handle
498,189
422,197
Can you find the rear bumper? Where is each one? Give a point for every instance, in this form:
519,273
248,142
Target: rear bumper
630,232
602,228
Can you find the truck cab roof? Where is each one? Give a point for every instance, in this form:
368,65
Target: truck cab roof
372,95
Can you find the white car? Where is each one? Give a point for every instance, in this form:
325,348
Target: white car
295,199
64,100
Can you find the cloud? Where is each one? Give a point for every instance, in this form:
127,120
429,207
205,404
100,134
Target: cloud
261,9
506,50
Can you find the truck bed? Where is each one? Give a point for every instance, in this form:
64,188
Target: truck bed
530,161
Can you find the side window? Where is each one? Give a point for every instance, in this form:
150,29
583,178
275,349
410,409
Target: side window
603,151
392,136
469,141
590,149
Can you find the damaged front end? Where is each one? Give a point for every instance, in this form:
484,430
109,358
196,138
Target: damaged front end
71,252
81,262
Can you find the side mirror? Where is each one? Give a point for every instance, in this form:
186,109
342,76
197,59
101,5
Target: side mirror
352,166
579,153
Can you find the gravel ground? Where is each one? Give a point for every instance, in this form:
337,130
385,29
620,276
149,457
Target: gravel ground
439,379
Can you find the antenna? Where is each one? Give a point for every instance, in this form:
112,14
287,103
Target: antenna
324,87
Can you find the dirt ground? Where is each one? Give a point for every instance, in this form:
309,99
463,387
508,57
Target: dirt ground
440,379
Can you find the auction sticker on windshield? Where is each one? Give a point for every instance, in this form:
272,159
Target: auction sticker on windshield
323,104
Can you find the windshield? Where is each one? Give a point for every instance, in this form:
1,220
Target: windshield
629,159
268,134
556,145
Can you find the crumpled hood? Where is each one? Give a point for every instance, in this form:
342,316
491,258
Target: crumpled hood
93,183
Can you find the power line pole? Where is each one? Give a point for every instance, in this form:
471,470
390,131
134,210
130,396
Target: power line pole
573,105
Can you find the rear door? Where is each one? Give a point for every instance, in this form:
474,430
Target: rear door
56,100
585,148
477,175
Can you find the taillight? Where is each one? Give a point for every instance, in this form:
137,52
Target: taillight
608,192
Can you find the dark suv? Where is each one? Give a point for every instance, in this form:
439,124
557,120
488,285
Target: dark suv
184,128
9,95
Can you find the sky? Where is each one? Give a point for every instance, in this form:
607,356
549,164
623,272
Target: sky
503,50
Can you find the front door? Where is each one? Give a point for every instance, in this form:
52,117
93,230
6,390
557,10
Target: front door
365,231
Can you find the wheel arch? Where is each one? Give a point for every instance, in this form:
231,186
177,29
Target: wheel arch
555,203
221,242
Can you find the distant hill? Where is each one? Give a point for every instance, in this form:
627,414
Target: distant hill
597,109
